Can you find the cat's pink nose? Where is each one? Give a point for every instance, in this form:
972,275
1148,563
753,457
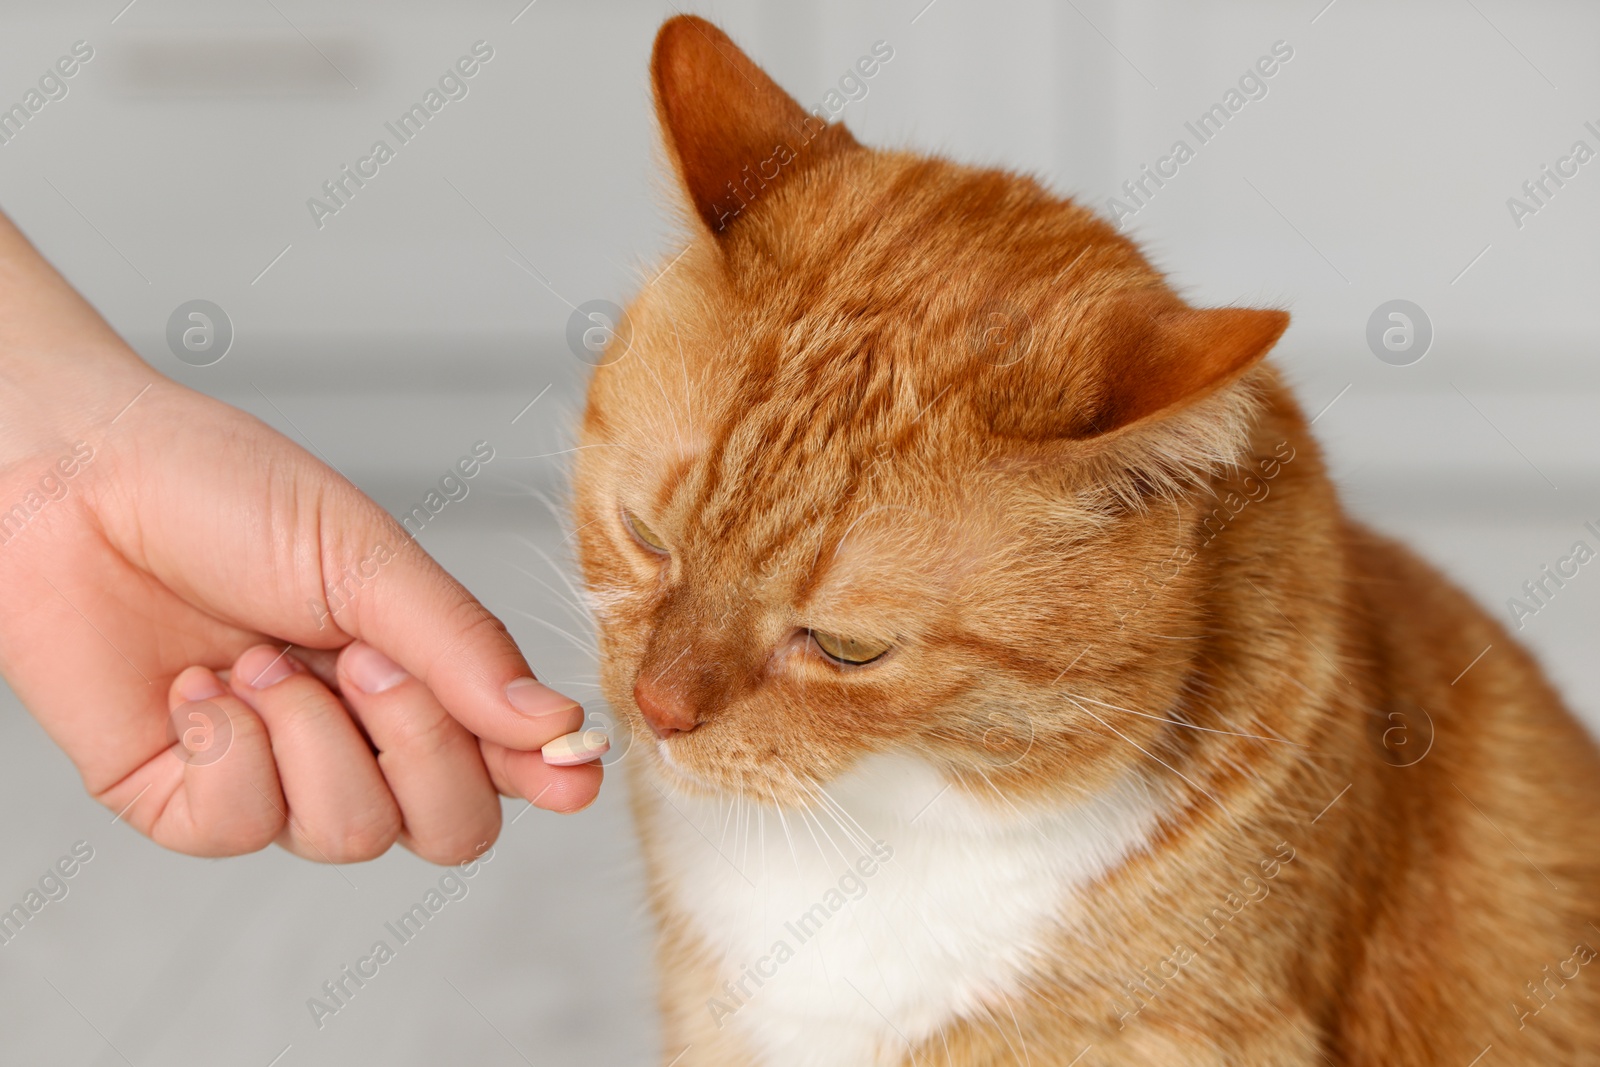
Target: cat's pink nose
666,712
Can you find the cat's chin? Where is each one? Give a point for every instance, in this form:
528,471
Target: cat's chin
674,773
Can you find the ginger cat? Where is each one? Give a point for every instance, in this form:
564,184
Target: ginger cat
1006,685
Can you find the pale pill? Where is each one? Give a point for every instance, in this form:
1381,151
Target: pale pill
580,746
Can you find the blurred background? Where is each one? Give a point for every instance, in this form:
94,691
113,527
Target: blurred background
1377,163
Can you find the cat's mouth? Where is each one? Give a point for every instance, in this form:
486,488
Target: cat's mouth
696,763
677,769
681,772
771,760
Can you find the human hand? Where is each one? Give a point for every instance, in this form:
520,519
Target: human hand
188,538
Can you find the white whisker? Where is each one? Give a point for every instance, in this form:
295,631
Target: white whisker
592,651
1179,722
1161,761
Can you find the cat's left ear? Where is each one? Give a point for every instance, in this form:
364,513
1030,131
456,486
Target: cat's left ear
731,131
1143,357
1174,357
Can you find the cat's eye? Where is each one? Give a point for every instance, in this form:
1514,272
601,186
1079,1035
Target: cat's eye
852,651
643,534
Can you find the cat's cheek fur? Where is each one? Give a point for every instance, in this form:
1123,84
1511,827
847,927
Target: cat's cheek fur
942,929
812,386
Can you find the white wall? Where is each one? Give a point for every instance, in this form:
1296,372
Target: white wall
1376,167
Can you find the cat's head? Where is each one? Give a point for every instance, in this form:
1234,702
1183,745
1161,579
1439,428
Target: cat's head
882,456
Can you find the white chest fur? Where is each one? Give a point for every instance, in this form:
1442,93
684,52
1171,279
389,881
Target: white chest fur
893,907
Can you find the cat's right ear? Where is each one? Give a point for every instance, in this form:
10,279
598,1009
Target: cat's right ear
731,131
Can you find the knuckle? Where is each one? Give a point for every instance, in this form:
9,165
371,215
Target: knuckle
359,840
474,624
421,735
255,834
460,845
311,701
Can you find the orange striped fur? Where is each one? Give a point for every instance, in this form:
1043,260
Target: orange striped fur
909,402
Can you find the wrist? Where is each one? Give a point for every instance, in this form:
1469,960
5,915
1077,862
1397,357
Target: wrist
63,370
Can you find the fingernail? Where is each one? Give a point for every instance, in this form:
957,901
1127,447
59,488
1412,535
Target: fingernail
532,697
261,676
580,746
371,670
199,684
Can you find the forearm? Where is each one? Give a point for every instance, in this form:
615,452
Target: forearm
62,366
40,313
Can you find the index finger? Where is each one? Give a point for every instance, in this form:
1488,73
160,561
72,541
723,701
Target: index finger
432,626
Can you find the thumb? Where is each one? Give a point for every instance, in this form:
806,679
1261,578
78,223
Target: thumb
382,588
